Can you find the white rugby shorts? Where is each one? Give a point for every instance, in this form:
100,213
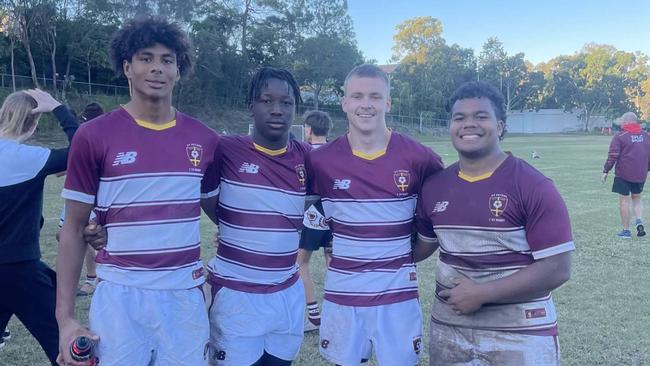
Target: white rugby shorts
349,334
243,325
141,327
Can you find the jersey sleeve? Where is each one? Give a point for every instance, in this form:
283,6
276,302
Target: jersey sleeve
423,224
212,176
83,173
548,228
612,154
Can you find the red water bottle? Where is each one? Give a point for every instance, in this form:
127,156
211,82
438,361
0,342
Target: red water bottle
82,349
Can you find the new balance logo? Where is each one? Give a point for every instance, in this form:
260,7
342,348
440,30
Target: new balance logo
342,183
124,158
249,168
440,206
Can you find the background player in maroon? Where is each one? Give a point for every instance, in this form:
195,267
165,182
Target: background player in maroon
629,152
505,243
316,233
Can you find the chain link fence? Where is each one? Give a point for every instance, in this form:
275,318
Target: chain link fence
422,124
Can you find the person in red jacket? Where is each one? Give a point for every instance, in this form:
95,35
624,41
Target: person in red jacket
629,151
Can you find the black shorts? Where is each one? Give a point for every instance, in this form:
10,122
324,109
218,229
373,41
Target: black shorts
623,187
312,239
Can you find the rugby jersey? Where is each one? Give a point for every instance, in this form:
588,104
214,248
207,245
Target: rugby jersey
489,229
370,205
145,184
261,206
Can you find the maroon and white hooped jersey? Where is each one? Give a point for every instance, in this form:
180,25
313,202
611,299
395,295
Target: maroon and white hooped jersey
146,183
489,228
370,205
261,206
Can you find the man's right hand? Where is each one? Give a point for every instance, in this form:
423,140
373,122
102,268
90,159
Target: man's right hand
603,178
69,330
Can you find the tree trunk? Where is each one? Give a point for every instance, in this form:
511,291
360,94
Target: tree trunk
66,78
316,95
587,116
90,88
244,26
13,69
32,66
52,34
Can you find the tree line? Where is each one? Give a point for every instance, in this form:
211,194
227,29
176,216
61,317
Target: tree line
67,41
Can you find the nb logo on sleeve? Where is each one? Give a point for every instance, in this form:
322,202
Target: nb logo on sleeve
440,206
124,158
342,183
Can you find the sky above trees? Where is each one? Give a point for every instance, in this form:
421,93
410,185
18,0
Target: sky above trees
541,30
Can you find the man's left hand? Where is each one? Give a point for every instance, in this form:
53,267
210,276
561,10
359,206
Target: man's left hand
465,297
95,235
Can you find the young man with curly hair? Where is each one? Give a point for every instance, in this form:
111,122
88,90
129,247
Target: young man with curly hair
146,169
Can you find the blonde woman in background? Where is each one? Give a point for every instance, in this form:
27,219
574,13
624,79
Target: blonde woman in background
27,285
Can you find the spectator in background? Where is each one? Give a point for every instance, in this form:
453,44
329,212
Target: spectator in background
629,151
27,285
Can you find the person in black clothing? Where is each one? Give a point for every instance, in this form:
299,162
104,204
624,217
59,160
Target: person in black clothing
27,285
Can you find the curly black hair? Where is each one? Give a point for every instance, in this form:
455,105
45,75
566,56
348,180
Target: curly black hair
140,33
260,80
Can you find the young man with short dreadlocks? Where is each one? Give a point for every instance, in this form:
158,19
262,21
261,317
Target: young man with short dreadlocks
256,317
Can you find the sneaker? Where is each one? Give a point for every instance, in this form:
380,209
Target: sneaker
86,289
309,326
640,230
6,335
624,234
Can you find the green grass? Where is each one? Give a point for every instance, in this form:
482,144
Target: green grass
603,309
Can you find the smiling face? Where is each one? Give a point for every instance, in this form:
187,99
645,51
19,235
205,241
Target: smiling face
366,103
474,128
273,113
153,72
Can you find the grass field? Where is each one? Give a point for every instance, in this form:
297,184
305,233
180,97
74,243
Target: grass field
604,310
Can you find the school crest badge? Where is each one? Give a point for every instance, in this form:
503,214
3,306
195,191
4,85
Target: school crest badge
498,204
402,179
302,173
194,153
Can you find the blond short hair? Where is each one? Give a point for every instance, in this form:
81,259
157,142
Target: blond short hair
16,117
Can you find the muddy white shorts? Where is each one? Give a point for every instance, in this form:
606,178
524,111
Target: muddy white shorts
473,347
